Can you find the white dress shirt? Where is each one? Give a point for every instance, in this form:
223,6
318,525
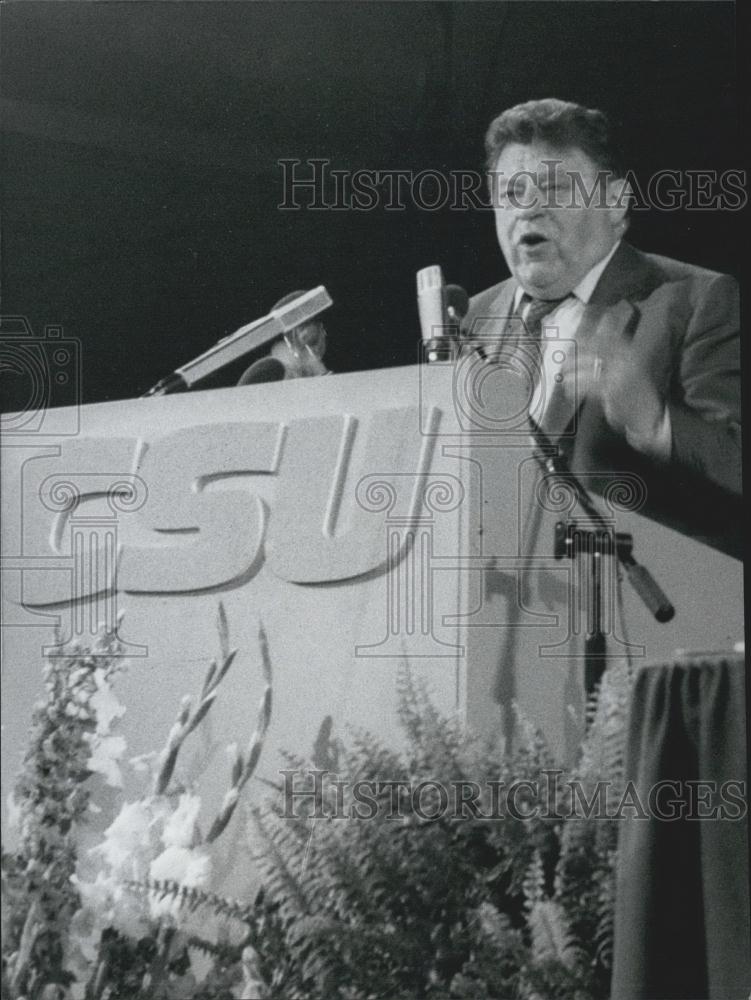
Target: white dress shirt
559,330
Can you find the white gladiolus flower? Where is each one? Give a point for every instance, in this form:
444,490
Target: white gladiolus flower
106,903
179,830
187,866
130,841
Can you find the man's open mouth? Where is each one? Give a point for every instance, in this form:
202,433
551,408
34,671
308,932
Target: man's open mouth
532,239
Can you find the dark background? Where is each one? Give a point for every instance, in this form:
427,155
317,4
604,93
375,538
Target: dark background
141,140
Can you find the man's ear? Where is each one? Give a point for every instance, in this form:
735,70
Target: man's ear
619,197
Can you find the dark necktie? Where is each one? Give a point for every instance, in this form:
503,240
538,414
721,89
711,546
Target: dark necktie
533,312
555,412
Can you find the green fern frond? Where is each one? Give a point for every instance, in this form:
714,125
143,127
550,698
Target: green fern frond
192,898
533,886
605,935
551,934
278,857
216,950
493,924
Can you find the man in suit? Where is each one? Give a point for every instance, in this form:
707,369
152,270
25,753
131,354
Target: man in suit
652,383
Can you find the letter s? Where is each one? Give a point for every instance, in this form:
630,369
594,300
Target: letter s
204,538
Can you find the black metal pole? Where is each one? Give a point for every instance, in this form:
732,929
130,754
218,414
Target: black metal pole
595,643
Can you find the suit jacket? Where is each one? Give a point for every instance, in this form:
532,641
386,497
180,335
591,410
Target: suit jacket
684,322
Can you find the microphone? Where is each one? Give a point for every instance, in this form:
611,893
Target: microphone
457,306
280,320
442,308
264,370
431,305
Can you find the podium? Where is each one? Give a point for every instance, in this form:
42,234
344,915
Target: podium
370,520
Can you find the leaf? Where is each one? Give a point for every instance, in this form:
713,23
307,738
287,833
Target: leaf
551,935
208,679
223,629
201,713
226,664
265,655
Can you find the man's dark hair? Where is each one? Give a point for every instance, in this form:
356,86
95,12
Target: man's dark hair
560,124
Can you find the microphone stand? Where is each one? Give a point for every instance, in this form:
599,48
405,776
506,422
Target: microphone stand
447,346
571,542
298,311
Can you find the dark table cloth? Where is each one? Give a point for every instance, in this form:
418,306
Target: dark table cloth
682,925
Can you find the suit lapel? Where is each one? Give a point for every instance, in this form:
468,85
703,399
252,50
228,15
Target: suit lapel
609,316
629,275
490,324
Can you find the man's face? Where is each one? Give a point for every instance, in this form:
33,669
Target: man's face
552,219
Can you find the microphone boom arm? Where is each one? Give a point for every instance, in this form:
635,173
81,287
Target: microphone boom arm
649,591
249,337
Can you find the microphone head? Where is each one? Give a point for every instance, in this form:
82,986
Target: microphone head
300,307
457,300
431,303
429,278
263,370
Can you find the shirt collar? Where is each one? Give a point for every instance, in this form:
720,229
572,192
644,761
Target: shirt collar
583,291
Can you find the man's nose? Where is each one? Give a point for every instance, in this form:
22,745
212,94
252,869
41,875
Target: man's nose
529,201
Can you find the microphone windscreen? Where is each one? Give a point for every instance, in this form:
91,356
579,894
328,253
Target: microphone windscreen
457,299
264,370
